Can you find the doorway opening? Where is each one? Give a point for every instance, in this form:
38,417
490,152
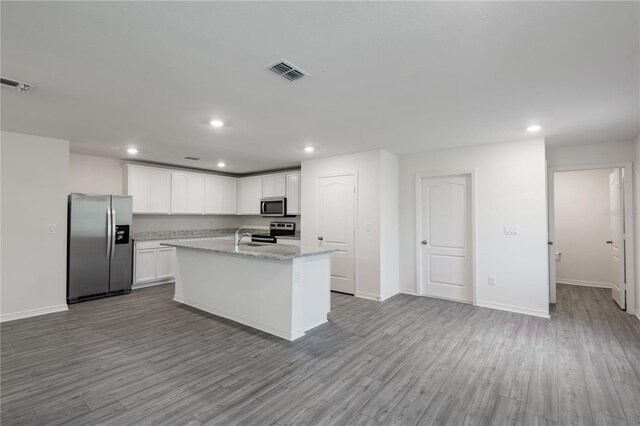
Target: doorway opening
591,237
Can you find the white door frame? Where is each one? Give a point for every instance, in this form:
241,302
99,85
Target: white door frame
417,239
629,235
355,220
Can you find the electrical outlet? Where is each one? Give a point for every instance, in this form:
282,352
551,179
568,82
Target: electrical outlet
52,228
492,280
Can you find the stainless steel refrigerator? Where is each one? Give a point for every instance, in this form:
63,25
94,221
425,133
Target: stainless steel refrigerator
100,248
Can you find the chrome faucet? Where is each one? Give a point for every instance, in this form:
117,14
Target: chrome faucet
237,238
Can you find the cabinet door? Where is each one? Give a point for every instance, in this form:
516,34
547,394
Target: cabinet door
145,265
212,194
249,194
273,186
138,188
293,193
195,193
179,192
159,191
228,200
166,263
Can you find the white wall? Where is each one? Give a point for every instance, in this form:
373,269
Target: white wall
34,182
636,215
389,225
580,155
371,279
95,175
582,227
510,189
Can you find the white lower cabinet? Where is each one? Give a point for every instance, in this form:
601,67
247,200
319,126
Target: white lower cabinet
166,260
153,263
146,263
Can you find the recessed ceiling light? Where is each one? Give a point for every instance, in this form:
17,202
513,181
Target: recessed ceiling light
533,128
221,164
132,150
216,123
309,149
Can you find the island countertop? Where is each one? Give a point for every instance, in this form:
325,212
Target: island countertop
266,251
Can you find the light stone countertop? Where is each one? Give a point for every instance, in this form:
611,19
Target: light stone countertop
266,251
201,233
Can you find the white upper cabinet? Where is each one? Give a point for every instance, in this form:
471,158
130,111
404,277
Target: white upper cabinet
273,186
179,193
228,201
149,187
293,193
137,179
195,193
159,191
212,194
249,194
166,191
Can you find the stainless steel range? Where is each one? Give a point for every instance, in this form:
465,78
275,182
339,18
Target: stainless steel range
275,229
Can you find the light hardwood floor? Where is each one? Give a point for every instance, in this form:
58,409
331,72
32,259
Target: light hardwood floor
142,358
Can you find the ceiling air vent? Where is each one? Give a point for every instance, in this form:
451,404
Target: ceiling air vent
287,70
192,158
17,85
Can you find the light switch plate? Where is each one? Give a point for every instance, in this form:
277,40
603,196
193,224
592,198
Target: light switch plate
511,230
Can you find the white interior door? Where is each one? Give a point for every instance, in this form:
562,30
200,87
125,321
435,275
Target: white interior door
445,238
616,206
336,228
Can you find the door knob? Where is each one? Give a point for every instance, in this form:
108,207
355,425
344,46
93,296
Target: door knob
320,238
550,243
424,242
609,242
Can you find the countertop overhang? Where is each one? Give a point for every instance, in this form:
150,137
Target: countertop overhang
267,251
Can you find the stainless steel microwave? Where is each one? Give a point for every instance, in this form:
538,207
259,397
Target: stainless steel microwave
273,206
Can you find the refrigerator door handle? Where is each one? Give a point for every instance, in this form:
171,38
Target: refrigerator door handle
113,233
108,232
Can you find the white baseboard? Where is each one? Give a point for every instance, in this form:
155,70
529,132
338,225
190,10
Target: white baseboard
583,283
411,291
152,284
511,308
33,312
368,296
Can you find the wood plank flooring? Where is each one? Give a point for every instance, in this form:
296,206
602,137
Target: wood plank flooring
144,359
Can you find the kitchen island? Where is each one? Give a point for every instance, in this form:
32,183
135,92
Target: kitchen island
282,290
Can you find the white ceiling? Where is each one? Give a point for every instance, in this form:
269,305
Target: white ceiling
404,76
